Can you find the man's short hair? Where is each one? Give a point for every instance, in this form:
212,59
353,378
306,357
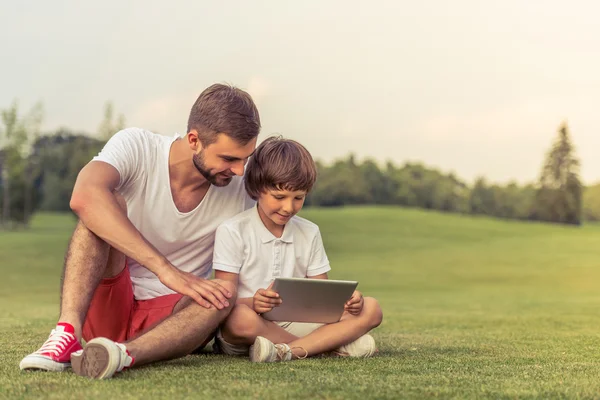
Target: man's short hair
224,109
280,164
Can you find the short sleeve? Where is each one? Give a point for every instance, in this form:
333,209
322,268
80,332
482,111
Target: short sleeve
319,263
228,250
124,151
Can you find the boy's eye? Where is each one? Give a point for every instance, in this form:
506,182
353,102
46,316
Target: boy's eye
278,197
299,197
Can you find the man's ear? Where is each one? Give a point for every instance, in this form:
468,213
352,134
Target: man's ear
194,141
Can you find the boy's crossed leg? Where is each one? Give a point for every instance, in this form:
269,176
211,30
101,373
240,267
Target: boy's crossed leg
271,342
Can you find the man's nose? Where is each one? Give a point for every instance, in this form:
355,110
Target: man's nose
238,168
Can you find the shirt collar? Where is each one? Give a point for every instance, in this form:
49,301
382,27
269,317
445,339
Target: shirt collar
266,236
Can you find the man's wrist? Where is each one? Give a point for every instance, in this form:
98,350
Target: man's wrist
159,266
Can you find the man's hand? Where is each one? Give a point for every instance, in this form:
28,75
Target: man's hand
355,304
205,292
265,299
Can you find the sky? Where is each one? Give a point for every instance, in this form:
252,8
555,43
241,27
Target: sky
474,87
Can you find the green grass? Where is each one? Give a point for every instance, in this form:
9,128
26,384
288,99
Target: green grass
473,308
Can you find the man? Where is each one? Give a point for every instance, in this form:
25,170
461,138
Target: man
135,283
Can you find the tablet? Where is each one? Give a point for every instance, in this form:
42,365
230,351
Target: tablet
310,300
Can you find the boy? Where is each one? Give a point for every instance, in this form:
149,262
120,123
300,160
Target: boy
269,241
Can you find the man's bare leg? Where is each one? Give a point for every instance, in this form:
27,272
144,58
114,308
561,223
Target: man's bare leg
176,336
89,259
189,327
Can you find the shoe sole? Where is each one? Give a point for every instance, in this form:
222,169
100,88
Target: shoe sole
96,359
257,349
35,363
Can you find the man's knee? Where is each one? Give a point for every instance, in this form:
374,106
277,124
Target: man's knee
189,303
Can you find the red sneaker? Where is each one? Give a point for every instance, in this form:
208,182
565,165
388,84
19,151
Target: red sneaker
55,353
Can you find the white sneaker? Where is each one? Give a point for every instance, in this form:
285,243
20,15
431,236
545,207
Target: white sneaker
263,350
364,346
101,358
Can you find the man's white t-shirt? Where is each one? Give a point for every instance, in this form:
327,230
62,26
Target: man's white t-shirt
244,246
185,239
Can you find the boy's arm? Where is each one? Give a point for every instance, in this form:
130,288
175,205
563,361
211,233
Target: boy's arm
262,301
233,278
320,276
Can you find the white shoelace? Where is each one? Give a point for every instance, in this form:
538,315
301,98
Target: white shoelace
56,343
284,349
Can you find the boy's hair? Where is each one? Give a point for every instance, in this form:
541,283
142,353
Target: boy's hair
280,164
224,109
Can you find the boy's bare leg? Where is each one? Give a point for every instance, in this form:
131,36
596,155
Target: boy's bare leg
89,259
184,331
243,326
330,337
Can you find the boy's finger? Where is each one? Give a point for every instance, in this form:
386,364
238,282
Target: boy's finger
269,299
270,293
267,304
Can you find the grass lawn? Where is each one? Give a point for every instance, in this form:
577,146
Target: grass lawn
473,308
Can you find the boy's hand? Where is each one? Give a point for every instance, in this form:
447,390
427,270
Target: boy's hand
265,299
355,304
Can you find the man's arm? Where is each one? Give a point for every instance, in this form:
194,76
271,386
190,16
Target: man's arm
94,202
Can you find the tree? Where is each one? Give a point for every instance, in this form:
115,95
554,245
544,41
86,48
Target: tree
560,193
379,185
16,138
341,184
591,203
63,154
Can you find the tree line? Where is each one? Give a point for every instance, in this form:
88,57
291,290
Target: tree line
556,197
37,172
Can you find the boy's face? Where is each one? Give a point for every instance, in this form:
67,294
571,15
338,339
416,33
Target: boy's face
276,207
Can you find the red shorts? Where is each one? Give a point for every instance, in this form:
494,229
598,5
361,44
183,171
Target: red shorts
115,314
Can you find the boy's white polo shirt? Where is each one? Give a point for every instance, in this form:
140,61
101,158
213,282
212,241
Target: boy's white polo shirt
244,246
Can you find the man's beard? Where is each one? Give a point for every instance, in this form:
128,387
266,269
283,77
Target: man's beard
217,179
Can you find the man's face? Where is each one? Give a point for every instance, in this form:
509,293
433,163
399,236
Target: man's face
220,161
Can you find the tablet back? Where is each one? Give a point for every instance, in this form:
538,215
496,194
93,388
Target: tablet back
310,300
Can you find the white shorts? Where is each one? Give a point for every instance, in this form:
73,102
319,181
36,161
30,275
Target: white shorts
298,329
